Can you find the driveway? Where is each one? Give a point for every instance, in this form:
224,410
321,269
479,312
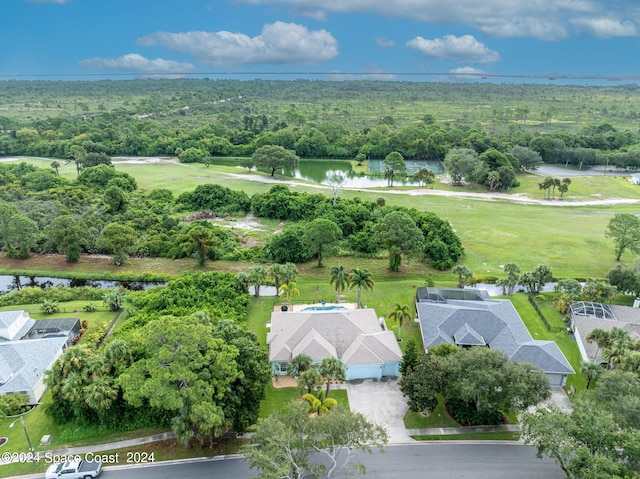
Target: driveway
381,402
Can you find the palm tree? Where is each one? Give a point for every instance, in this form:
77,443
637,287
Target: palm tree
631,362
339,278
513,276
332,369
288,290
399,314
591,371
463,273
256,277
289,272
101,393
361,278
319,404
275,271
601,338
56,166
619,345
299,364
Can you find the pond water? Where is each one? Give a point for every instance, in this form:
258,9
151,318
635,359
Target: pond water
319,171
11,283
494,290
265,290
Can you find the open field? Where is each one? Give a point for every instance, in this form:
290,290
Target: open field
493,231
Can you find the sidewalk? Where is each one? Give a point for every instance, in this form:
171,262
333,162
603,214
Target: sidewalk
441,431
71,451
446,431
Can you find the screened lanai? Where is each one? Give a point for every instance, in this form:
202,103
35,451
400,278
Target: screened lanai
592,310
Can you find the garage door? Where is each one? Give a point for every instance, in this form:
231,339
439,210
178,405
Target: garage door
363,371
391,369
555,379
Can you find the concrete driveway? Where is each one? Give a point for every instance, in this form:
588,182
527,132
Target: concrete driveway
381,402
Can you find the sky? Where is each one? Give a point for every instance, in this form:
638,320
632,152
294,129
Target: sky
574,41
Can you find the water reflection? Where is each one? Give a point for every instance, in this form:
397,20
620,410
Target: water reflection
319,171
12,283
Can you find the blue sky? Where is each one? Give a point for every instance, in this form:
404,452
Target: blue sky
342,39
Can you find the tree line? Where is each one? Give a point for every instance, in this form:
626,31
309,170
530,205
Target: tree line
101,211
214,119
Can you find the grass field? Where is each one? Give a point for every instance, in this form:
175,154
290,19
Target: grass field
568,238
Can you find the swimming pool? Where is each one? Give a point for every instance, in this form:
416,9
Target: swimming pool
324,308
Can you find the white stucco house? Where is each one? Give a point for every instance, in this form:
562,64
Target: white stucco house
28,348
469,318
355,336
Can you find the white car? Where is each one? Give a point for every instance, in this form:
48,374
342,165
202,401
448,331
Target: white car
74,470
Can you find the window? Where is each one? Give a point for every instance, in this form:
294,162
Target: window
283,366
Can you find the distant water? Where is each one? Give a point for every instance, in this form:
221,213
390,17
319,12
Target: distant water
11,283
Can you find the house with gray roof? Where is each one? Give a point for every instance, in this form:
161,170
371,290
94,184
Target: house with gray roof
472,318
28,348
355,336
586,316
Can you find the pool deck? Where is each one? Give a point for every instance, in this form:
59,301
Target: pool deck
327,306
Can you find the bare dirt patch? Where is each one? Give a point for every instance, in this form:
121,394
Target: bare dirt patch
284,382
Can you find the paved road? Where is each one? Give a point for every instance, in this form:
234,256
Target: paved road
435,461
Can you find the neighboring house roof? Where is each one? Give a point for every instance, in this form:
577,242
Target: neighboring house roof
490,322
354,335
23,363
14,325
29,347
624,317
7,318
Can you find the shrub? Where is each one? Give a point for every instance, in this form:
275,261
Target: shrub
49,307
467,414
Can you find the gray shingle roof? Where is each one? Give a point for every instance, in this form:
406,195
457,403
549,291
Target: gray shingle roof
352,334
7,318
467,336
544,354
28,360
627,318
496,322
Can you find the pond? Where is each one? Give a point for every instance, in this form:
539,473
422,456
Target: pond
319,171
494,290
11,283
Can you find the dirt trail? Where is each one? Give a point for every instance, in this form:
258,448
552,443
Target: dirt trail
488,196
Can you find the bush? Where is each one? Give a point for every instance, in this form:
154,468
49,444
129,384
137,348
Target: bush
467,414
49,307
62,294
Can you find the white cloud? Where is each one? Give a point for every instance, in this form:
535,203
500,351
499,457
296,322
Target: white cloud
462,49
605,27
543,19
279,43
383,42
467,72
140,65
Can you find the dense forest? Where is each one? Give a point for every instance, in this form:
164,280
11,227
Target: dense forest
197,119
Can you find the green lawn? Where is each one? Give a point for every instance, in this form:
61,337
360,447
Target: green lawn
570,239
478,436
439,417
98,321
277,398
